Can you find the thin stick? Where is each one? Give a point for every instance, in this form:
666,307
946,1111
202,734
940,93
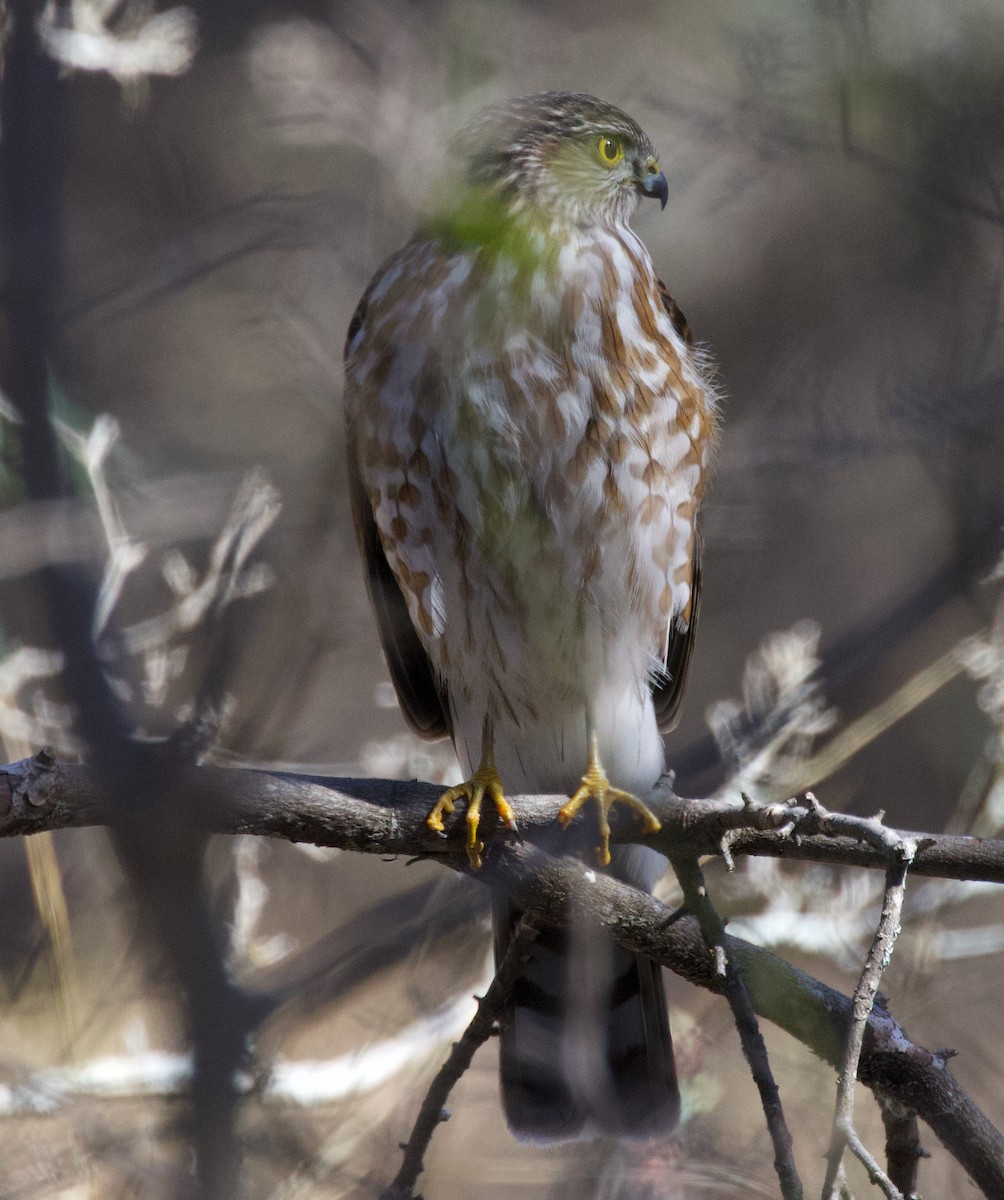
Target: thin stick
861,1009
433,1111
695,893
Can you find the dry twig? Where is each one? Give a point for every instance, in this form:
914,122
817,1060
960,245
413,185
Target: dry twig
844,1135
712,926
433,1110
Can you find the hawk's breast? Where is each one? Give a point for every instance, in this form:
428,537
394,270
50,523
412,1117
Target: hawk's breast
532,435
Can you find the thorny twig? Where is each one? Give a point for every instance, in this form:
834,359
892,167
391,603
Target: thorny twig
902,852
433,1111
695,892
804,817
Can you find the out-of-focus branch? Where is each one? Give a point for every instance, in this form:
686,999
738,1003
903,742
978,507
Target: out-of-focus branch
378,816
162,857
851,740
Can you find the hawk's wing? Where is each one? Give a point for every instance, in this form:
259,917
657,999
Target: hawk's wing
421,696
668,693
675,314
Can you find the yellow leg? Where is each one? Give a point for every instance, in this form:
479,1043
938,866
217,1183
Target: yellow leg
485,780
596,786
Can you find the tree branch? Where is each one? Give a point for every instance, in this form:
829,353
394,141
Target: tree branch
862,1005
903,1150
377,816
699,903
433,1110
890,1065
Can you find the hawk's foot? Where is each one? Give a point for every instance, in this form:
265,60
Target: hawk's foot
596,786
485,780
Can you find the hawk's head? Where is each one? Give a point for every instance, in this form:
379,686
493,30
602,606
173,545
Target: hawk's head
563,156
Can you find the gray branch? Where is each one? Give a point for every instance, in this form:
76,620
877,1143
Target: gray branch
434,1111
382,817
903,1150
862,1005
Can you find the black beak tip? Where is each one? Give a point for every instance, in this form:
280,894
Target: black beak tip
656,185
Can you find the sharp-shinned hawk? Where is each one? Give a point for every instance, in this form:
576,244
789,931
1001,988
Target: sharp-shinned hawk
529,425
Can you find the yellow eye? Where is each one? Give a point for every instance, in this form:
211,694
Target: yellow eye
611,152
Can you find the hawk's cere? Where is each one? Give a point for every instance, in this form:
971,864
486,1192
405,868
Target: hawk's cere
529,426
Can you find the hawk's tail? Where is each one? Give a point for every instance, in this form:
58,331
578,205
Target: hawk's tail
586,1050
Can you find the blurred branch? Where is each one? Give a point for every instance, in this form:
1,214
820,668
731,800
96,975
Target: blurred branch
146,1073
143,44
862,650
162,856
841,748
384,817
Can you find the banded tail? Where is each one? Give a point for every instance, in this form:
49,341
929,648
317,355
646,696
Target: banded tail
585,1046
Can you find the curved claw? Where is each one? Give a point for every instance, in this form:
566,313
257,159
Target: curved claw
443,805
485,780
596,786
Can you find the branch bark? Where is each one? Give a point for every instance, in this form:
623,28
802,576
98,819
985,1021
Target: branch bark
434,1110
903,1150
381,817
879,955
891,1065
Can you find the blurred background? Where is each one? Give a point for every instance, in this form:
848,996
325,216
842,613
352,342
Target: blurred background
235,173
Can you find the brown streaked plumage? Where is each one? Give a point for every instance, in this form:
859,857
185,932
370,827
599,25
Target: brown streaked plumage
529,424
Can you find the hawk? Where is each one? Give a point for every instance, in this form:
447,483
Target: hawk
529,425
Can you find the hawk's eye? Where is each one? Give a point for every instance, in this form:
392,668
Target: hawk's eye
611,152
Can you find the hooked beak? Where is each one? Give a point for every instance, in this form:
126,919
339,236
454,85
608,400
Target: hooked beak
653,182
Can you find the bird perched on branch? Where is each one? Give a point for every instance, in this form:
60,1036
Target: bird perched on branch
529,425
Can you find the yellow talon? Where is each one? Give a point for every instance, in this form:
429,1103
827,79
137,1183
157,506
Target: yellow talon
485,780
596,786
443,805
